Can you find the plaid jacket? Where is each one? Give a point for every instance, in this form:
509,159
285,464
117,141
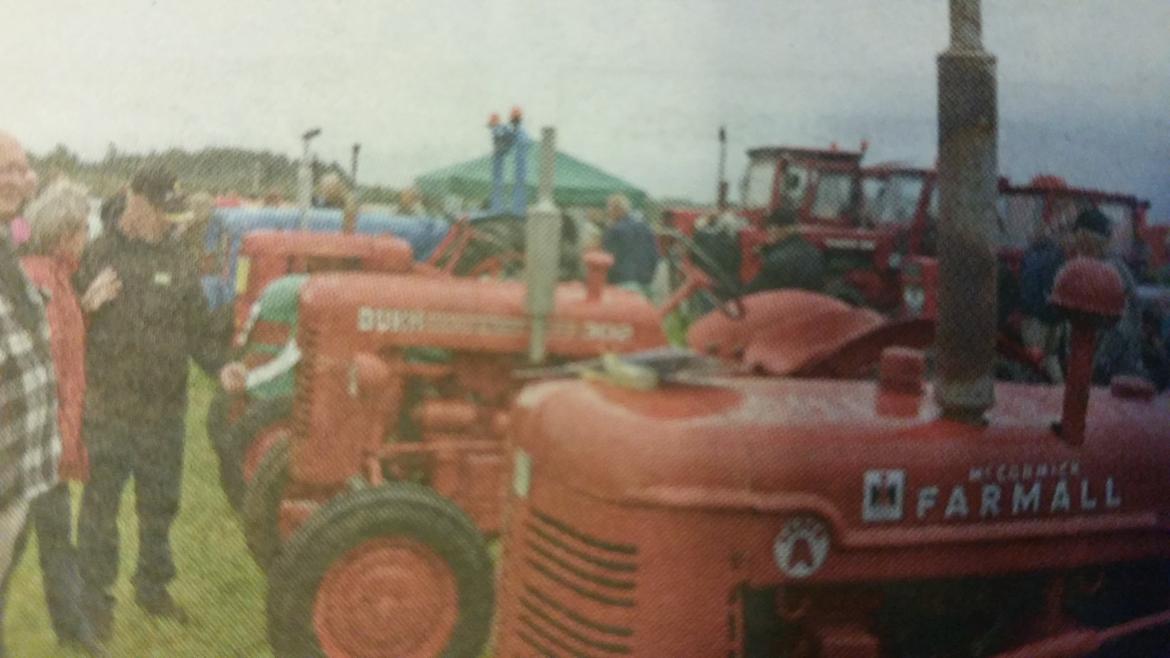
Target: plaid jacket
30,445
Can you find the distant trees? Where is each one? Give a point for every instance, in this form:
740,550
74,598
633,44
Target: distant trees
218,170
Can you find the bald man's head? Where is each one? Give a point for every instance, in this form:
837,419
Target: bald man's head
18,183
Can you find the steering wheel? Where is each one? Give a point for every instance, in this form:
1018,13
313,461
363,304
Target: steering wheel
707,277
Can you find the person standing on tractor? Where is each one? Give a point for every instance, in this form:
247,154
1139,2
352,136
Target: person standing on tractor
136,395
631,243
58,225
788,260
410,203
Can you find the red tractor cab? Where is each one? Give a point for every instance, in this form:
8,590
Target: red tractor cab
820,184
890,217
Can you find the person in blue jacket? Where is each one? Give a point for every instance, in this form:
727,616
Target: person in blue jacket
631,243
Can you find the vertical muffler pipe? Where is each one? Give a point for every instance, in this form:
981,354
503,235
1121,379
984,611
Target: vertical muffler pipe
967,170
542,249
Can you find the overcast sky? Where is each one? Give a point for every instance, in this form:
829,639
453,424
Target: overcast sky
637,88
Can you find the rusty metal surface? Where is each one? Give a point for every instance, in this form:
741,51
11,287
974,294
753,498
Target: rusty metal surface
968,185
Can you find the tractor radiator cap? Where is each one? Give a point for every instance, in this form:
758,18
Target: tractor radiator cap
1089,287
1132,388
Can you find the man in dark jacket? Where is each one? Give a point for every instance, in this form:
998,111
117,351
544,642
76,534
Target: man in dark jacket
789,260
136,397
631,243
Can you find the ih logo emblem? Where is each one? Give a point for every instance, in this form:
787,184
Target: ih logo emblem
801,547
885,492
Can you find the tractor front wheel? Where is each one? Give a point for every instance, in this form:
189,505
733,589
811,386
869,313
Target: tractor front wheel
261,506
396,570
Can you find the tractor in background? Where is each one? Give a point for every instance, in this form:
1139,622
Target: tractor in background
865,219
842,506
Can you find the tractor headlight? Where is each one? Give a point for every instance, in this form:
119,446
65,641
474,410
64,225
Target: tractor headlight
521,473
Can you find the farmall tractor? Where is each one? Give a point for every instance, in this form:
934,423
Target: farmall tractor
395,472
821,514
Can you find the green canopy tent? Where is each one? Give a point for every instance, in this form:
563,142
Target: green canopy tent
577,184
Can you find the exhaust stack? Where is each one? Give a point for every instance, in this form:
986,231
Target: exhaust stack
542,249
967,169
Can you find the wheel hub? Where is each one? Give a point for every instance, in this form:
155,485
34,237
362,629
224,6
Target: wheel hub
388,597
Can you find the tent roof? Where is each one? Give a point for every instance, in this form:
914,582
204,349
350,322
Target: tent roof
576,184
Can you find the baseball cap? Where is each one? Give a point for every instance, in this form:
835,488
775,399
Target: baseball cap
1095,221
159,185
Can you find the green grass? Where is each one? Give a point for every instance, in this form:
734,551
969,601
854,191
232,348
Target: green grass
218,582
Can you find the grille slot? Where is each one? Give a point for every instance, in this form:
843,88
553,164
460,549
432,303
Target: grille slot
578,591
303,397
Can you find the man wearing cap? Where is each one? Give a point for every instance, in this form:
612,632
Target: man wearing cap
1119,348
136,397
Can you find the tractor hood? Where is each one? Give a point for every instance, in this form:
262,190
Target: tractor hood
863,459
372,312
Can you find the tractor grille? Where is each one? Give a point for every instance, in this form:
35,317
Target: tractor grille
578,591
302,407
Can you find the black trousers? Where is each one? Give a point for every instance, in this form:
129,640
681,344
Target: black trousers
153,454
50,517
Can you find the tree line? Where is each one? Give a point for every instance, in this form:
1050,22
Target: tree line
217,170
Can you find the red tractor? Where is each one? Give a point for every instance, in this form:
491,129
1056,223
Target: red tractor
396,471
841,506
265,312
819,183
866,220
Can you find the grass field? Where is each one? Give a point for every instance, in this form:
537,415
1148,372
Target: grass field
218,583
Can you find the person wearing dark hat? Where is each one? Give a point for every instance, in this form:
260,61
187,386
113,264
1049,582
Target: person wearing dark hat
137,347
788,259
1119,347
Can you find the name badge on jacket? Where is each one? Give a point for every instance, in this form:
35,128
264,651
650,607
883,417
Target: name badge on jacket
162,278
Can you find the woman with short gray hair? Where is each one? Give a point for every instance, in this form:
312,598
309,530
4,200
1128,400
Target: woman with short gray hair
61,211
58,228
